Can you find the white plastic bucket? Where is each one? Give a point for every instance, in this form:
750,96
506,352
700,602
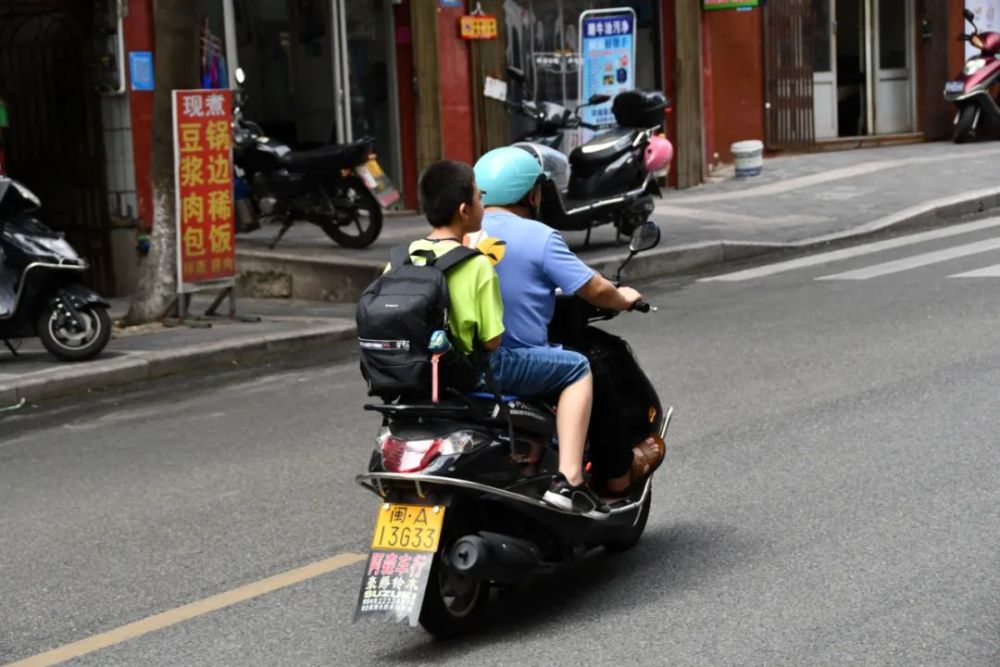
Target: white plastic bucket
749,157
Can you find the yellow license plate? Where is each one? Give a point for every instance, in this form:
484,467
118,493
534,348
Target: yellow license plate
408,527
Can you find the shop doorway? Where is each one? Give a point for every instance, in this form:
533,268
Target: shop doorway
54,143
863,67
318,71
542,42
368,105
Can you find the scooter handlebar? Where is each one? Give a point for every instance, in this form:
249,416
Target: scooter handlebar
642,307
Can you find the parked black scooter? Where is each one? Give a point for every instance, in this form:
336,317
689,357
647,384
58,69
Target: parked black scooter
461,487
340,188
551,120
612,176
608,180
40,294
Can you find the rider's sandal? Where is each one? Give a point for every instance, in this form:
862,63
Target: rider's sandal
649,455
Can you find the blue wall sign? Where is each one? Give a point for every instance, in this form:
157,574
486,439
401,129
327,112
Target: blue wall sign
607,50
140,66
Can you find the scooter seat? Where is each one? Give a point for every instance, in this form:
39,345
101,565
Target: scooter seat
327,158
602,149
531,416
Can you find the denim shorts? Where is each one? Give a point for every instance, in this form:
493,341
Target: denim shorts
537,371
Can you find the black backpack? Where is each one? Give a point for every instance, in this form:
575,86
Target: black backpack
396,316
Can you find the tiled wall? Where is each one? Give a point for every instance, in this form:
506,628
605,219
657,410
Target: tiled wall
118,152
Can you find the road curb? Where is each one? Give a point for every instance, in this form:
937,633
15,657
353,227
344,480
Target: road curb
311,278
71,379
662,262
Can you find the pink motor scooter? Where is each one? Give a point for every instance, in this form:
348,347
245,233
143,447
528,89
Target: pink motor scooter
970,91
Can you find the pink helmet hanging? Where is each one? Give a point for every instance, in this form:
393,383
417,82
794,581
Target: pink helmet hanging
659,153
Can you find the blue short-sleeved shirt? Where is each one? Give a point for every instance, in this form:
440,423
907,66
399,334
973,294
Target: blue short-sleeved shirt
535,262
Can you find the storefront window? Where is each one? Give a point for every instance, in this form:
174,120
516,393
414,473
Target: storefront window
542,42
892,33
369,49
821,36
297,54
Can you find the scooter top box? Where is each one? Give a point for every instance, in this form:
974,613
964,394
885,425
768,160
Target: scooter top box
640,108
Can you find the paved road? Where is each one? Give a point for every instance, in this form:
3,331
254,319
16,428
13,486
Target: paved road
831,497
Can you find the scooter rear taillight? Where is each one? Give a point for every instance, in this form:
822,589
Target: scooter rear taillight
400,455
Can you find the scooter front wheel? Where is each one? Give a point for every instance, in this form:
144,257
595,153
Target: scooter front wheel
965,128
67,343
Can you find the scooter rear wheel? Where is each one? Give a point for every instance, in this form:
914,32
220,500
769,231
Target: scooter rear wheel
453,605
68,345
363,216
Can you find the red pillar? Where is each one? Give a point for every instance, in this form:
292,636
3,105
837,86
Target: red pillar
707,94
455,81
139,36
407,102
669,60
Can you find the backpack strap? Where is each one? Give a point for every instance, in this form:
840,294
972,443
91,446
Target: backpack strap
454,257
400,256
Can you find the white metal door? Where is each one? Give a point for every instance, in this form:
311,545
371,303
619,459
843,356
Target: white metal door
825,69
892,53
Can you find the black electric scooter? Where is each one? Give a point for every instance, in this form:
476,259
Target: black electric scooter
461,484
605,180
551,119
608,180
40,290
340,188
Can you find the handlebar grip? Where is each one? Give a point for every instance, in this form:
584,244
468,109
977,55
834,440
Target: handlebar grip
641,306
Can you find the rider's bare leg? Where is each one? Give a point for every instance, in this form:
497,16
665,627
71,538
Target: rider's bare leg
572,420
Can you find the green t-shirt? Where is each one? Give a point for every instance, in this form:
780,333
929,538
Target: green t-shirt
475,296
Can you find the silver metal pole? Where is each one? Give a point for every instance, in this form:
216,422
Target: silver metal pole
232,52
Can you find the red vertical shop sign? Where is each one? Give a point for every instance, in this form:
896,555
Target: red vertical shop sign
203,163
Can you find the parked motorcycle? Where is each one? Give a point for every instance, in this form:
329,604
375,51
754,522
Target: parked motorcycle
970,91
40,290
609,179
340,188
461,483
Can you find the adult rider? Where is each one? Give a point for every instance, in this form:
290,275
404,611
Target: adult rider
532,262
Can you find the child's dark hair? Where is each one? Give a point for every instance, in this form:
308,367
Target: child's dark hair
444,186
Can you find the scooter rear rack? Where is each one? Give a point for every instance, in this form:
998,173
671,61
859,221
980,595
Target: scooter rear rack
375,482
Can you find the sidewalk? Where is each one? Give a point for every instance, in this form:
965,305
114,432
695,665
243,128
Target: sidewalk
797,202
153,351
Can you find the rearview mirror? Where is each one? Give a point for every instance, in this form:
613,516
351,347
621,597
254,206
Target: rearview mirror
969,16
515,74
240,76
598,98
645,236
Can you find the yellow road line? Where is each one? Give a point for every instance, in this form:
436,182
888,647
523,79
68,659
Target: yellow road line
188,611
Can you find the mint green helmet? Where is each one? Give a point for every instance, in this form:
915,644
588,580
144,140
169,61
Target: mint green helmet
506,175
